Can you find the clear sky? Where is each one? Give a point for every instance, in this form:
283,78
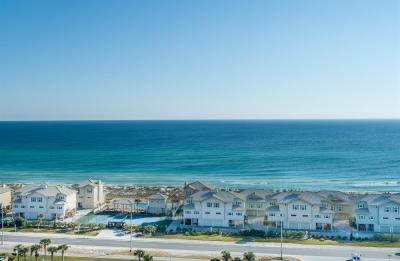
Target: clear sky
199,59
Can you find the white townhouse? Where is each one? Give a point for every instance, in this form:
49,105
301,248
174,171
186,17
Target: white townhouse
256,204
339,203
215,208
157,204
90,194
52,201
377,212
299,210
5,196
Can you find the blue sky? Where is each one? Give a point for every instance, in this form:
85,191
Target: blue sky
199,59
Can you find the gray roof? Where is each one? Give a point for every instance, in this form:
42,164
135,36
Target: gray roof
4,190
158,196
337,197
91,182
222,195
287,197
45,190
378,199
256,194
199,185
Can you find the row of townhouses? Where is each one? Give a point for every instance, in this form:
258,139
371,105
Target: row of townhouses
204,205
56,201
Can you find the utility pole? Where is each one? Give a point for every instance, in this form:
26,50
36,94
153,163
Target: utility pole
281,237
2,224
130,234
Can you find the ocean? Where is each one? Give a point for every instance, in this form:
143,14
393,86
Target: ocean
349,155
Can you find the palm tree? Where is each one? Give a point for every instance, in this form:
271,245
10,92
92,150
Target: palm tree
150,229
17,250
52,250
24,250
63,249
249,256
139,253
226,255
34,249
44,243
40,217
137,201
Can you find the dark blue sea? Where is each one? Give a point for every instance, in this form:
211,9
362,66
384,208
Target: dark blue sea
304,154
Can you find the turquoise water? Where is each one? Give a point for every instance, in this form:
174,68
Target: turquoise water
104,219
344,155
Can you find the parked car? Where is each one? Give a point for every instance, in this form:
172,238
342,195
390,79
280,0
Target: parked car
355,257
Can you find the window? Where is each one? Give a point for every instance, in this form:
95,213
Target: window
239,203
340,208
396,209
33,199
259,205
272,204
372,218
216,205
293,215
89,190
272,214
15,206
40,199
218,213
41,207
327,216
303,207
317,216
361,217
385,218
188,201
295,207
230,214
207,213
196,212
22,206
51,207
305,215
209,204
360,205
238,214
387,209
59,207
187,211
32,206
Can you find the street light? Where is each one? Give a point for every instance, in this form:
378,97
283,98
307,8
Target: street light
2,224
281,237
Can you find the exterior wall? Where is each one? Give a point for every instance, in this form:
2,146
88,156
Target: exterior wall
215,213
157,206
5,199
255,208
388,218
91,196
304,216
31,209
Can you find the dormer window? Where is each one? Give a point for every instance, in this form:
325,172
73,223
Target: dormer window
360,205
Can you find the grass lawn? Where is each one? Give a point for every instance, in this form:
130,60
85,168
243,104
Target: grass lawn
276,240
50,231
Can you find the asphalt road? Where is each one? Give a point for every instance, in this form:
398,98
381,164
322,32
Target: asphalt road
311,251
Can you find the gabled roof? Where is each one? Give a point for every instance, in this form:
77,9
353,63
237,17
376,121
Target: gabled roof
199,185
337,197
224,196
4,190
91,182
256,194
158,196
378,199
45,190
287,197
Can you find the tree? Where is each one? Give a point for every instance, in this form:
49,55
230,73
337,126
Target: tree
137,201
63,249
52,250
237,259
40,218
17,250
249,256
226,255
150,229
35,249
147,257
139,253
215,259
44,243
